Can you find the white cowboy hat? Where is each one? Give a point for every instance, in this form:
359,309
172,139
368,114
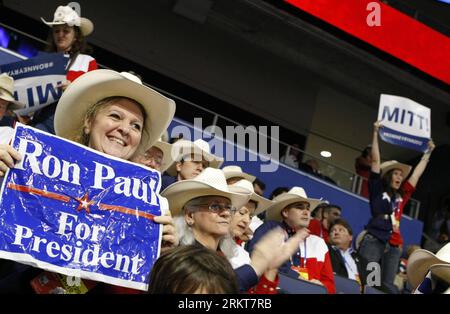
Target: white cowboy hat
67,15
166,149
7,92
183,148
422,261
296,194
211,182
96,85
236,172
262,202
394,164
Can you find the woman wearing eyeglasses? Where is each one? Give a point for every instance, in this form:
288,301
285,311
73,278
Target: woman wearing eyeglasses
203,208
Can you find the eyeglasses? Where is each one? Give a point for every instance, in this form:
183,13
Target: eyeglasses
217,208
157,160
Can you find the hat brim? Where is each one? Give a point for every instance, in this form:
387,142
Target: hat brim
262,203
181,192
274,211
406,169
86,25
421,262
167,160
237,174
13,104
96,85
214,161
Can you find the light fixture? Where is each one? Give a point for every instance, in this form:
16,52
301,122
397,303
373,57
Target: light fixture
325,154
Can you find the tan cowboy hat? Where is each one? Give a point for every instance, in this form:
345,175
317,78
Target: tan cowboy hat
422,261
262,202
7,92
296,194
166,149
236,172
96,85
211,182
394,164
67,15
182,148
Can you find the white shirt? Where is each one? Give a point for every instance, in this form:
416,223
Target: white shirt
350,264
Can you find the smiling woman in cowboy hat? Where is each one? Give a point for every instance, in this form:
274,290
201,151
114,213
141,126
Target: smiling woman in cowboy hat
388,194
203,208
113,113
7,100
68,36
292,212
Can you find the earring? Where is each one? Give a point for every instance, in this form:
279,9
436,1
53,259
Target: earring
190,223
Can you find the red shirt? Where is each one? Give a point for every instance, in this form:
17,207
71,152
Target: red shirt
396,237
316,228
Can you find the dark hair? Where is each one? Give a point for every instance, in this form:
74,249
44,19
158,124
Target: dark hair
343,223
261,184
328,207
78,46
366,151
386,181
279,190
186,269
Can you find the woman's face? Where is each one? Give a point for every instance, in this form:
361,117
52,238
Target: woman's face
116,129
242,218
64,37
211,223
396,179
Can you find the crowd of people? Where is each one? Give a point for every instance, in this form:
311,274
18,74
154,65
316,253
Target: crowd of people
221,235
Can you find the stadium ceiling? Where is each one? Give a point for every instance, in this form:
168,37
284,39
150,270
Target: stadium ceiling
357,71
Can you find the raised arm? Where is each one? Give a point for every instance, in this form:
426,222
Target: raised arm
422,165
375,148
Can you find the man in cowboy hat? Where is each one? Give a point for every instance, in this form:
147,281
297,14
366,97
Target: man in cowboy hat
429,273
190,159
7,101
158,157
291,212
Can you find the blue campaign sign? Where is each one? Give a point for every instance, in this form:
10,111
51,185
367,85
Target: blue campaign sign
36,80
71,210
405,122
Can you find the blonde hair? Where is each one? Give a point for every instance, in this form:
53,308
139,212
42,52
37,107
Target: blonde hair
91,113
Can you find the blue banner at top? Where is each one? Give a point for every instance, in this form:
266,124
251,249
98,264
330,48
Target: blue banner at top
71,210
36,80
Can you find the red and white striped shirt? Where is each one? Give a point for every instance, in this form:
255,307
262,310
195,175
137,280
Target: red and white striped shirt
82,64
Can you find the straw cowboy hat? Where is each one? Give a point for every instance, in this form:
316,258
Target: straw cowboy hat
422,261
7,92
211,182
262,202
183,148
96,85
296,194
166,149
67,15
394,164
236,172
